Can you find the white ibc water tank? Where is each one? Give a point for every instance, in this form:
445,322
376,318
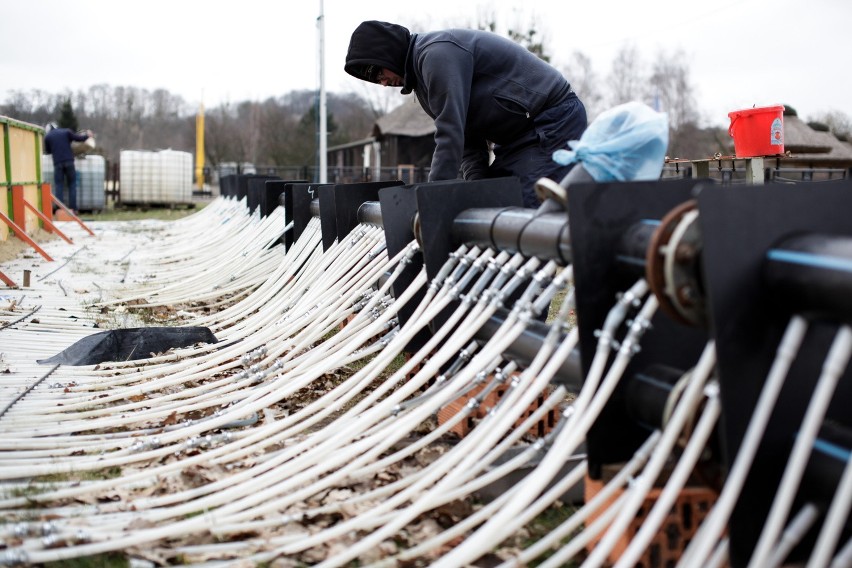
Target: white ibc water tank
91,171
176,180
164,176
129,174
47,169
149,177
90,182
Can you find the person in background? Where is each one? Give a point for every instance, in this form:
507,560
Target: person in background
57,143
480,89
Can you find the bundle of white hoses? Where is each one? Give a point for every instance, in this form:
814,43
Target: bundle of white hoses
60,534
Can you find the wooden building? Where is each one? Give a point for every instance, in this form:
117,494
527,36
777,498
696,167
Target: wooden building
400,147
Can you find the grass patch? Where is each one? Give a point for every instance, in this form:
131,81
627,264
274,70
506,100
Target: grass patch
52,482
28,492
556,305
394,366
543,524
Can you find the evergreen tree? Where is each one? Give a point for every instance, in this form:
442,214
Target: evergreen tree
529,40
67,118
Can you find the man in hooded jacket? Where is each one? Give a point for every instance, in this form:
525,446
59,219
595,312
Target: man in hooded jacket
480,88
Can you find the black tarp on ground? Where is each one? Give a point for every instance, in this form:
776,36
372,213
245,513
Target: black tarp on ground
129,344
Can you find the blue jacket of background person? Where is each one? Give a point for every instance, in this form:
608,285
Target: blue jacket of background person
57,143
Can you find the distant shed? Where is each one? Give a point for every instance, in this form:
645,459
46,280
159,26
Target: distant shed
400,146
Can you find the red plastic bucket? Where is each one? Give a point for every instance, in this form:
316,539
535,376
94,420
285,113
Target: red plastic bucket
757,131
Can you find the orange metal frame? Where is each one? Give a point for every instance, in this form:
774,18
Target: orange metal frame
48,223
47,196
18,209
8,281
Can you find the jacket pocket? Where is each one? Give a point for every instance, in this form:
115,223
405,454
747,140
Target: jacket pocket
511,105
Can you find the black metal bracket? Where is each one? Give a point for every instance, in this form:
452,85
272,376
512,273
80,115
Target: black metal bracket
399,209
296,199
265,193
600,214
438,204
257,194
739,226
339,207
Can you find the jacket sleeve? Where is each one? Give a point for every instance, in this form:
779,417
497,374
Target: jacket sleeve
79,137
475,158
447,71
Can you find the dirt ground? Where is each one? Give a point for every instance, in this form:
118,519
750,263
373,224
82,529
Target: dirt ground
13,247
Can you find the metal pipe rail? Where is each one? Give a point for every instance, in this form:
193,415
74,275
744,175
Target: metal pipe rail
515,229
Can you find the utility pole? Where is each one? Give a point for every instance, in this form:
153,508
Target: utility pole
323,120
199,148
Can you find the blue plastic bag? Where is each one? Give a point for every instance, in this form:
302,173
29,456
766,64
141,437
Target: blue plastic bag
625,143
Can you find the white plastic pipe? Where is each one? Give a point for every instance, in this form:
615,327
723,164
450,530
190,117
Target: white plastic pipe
835,519
644,483
685,465
711,529
835,364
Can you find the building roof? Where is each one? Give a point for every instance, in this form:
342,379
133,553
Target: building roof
408,119
803,141
354,144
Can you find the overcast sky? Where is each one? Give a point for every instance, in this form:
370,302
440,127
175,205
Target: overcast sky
740,53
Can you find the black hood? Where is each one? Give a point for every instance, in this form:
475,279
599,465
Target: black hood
376,45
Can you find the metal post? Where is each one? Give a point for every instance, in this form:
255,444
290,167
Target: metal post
323,126
754,171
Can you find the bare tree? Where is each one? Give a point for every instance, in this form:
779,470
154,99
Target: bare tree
35,106
671,90
486,18
523,30
352,117
279,131
838,123
221,135
380,100
249,117
586,83
278,125
625,79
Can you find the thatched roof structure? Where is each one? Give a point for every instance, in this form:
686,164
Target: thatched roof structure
408,119
801,138
804,142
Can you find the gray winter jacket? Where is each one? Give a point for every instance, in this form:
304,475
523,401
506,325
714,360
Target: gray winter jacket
476,85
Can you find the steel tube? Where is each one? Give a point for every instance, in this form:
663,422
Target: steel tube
508,226
474,226
812,274
648,393
370,213
528,344
547,234
633,246
516,229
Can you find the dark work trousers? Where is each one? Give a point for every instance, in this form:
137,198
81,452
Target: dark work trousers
531,157
65,172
